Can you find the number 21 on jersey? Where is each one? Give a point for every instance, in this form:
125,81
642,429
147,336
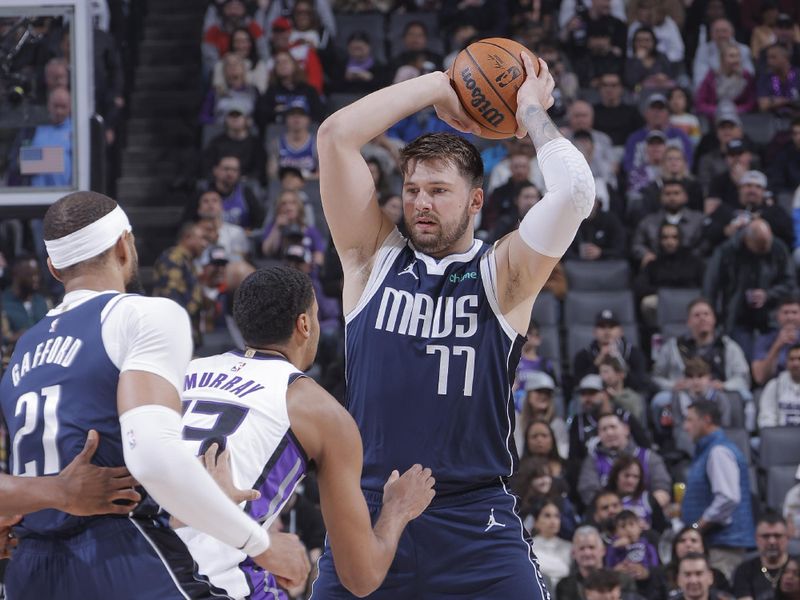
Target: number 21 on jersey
36,407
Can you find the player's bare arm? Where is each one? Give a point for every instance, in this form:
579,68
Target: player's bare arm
80,489
356,222
526,257
329,435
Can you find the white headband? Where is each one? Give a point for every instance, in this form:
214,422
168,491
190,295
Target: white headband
89,241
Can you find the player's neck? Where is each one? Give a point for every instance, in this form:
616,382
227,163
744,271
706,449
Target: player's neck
96,282
281,352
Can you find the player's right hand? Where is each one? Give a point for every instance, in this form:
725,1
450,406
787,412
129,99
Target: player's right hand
448,107
91,490
536,90
286,558
411,493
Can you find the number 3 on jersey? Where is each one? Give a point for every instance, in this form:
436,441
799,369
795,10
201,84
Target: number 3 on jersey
444,366
222,419
29,404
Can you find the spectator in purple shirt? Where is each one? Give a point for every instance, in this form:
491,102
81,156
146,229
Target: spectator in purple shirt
656,116
630,553
778,89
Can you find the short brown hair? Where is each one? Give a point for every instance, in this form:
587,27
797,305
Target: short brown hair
614,363
448,148
696,367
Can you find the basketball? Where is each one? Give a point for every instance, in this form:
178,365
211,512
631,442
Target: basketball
486,76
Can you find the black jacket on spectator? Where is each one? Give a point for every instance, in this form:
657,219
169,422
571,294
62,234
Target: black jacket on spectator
603,229
779,220
617,121
663,585
784,172
678,270
501,203
381,77
249,151
591,66
637,379
583,427
724,188
650,201
734,269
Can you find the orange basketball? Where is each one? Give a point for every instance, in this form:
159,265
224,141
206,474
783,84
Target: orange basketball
486,76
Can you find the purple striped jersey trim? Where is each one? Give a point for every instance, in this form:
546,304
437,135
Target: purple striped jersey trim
285,469
262,584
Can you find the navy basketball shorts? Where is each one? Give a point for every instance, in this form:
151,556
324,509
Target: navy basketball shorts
469,545
112,558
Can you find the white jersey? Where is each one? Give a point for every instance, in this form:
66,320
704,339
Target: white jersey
239,401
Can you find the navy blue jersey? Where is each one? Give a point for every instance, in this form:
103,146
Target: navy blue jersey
430,365
59,384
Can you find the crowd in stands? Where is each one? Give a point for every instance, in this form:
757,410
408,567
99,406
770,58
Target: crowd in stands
662,367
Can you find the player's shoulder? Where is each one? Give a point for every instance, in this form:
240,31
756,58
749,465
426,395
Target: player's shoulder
151,309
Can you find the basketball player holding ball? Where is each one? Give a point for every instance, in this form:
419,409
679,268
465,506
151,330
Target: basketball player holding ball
435,323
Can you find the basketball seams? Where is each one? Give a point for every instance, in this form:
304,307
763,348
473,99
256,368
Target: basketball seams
491,86
465,102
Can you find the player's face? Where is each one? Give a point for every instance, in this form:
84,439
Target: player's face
438,206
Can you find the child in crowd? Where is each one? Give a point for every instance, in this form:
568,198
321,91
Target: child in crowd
630,552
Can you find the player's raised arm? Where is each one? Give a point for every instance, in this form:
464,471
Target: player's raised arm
526,257
362,554
356,223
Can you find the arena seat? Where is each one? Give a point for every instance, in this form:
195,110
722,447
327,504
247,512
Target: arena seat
597,275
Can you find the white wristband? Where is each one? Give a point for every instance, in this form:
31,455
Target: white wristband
257,543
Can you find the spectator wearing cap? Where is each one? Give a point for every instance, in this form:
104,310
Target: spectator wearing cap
213,265
228,236
612,115
717,498
656,116
726,220
304,54
710,159
601,236
614,440
297,147
289,228
772,347
361,72
709,53
217,39
784,172
595,401
646,239
646,67
244,46
746,277
539,404
647,171
240,205
300,257
731,82
287,88
235,94
778,89
673,167
238,140
323,10
609,340
724,187
675,266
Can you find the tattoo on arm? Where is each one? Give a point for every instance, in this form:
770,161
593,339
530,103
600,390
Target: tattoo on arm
539,125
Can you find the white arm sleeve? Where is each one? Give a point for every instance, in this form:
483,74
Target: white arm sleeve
550,226
159,460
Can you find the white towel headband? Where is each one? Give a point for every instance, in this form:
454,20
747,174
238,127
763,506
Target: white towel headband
89,241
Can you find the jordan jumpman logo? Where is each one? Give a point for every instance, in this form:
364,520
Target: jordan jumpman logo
409,270
492,522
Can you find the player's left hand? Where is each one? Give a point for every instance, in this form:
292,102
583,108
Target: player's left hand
7,540
219,467
537,90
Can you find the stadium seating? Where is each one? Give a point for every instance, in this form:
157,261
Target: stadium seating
597,275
